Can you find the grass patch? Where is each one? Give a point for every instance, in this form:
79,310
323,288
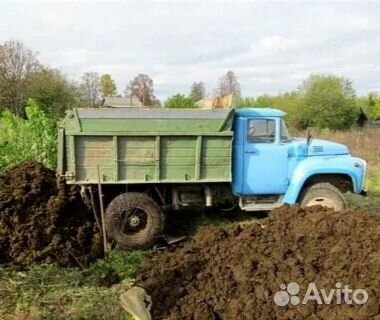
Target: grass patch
370,204
51,292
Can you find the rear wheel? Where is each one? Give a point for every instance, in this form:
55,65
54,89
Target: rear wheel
324,194
134,220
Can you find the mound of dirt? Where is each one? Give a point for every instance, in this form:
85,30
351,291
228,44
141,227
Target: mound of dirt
43,220
234,272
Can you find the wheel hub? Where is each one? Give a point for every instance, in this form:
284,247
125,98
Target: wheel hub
134,221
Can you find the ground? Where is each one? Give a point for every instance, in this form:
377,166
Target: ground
48,292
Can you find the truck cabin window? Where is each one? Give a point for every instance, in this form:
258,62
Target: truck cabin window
261,131
285,136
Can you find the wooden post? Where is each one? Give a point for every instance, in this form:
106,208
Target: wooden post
102,212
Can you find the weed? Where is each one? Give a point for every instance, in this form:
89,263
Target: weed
50,292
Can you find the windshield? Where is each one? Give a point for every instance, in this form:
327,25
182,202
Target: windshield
285,136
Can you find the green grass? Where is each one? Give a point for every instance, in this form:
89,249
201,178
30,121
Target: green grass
50,292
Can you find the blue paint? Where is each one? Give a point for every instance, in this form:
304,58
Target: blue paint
270,163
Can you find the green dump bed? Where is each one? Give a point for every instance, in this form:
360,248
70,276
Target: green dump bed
134,145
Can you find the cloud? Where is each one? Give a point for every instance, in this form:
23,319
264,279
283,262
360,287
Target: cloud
271,46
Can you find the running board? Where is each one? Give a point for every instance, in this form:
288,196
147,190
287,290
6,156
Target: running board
260,206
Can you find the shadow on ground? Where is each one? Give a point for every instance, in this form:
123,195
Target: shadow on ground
186,222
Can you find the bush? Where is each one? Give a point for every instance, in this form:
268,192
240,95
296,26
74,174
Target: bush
329,102
33,138
179,101
370,104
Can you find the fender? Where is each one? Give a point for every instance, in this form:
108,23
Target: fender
342,164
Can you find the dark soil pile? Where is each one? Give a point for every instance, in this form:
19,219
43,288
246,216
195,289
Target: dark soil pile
43,220
234,272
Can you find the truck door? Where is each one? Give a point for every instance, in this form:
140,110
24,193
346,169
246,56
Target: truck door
265,158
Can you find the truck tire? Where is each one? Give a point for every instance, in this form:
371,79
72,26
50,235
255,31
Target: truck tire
134,221
324,194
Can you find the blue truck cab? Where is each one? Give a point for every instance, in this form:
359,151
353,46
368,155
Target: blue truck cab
271,168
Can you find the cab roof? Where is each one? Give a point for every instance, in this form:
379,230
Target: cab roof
259,112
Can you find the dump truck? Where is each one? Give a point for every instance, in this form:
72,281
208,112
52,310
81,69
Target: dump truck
149,160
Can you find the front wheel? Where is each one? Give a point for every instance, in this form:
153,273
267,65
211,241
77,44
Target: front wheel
324,194
134,220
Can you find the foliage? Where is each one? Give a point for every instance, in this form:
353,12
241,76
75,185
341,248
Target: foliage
107,86
142,87
370,105
197,91
328,102
228,84
246,102
289,102
179,101
51,292
24,139
53,92
322,101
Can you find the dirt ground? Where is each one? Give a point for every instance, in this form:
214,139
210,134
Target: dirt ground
234,272
223,273
42,220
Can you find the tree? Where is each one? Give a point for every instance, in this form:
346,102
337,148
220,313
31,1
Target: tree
292,104
228,84
52,91
107,86
90,88
265,100
370,104
16,63
328,102
197,91
142,87
246,102
179,101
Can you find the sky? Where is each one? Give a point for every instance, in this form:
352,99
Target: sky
272,46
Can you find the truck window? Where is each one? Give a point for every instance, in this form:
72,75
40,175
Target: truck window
261,131
285,136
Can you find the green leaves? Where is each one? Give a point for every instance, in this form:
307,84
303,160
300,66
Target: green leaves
329,102
107,86
179,101
34,138
322,101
